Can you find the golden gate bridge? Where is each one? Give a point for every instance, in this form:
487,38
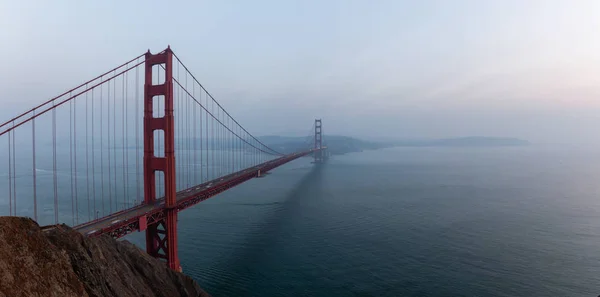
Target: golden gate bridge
129,149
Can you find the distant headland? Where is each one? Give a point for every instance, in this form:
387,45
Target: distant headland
344,144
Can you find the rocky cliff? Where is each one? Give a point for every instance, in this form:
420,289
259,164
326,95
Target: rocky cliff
58,261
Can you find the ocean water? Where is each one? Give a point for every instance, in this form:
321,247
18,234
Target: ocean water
522,221
405,222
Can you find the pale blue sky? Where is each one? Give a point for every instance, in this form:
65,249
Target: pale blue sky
522,68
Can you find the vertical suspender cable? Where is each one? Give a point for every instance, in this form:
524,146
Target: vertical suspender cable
177,119
87,162
187,131
206,140
214,147
195,137
10,173
109,149
178,139
14,171
126,146
221,146
232,145
190,141
137,133
123,140
243,149
101,149
224,139
218,148
230,142
93,148
181,129
114,143
34,173
200,128
14,180
54,164
75,160
238,150
71,159
229,147
220,137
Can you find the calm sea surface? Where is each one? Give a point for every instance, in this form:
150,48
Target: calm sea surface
396,222
405,222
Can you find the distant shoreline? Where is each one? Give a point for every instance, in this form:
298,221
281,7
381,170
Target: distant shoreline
474,141
343,144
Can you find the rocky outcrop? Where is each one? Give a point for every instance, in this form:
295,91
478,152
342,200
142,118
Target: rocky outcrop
58,261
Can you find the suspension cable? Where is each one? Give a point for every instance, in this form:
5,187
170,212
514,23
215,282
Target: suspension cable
208,94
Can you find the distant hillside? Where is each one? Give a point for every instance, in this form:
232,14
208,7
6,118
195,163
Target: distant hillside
343,144
474,141
336,144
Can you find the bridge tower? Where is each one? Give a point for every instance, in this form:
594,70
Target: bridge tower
318,155
161,238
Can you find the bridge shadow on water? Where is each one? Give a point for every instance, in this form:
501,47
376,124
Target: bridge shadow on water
250,268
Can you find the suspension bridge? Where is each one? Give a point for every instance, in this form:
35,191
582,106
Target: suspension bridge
129,149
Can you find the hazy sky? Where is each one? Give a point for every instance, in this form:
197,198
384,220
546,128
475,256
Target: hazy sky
521,68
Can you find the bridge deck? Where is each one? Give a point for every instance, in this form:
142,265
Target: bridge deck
126,221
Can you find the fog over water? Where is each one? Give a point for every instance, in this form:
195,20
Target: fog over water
401,221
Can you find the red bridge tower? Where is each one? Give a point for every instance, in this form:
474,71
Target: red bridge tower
161,238
318,142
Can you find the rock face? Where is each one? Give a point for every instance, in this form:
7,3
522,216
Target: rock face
58,261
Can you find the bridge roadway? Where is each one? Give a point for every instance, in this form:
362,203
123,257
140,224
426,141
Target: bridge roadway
129,220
